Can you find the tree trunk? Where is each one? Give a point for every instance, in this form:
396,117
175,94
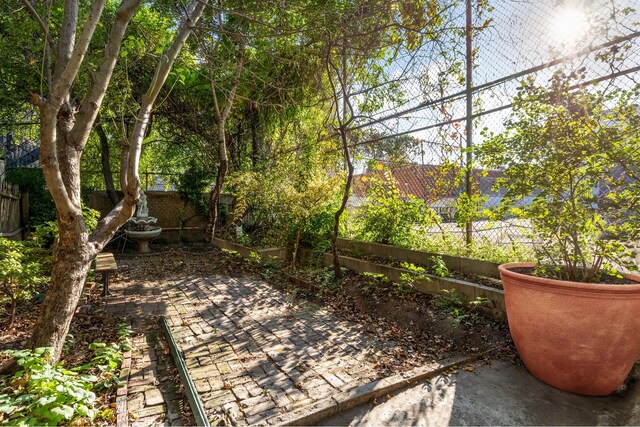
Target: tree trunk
12,315
345,197
254,122
106,164
72,261
296,245
62,140
221,116
214,197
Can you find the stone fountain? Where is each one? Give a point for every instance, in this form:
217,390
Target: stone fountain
140,230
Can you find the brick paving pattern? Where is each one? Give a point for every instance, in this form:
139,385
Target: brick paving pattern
252,352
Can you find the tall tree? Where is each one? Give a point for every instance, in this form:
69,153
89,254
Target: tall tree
65,127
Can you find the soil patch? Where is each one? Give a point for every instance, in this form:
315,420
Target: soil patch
418,328
604,279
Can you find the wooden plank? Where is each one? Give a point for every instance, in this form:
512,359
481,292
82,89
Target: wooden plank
106,262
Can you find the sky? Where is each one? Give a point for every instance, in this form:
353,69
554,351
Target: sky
522,34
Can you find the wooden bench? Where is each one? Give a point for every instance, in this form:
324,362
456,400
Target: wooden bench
105,264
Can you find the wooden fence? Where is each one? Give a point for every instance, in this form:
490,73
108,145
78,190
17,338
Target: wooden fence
10,211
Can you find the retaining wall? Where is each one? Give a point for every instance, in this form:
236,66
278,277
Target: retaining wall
460,264
495,308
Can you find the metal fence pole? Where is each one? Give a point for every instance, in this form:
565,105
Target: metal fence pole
469,125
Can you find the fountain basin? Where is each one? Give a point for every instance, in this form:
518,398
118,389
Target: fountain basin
143,237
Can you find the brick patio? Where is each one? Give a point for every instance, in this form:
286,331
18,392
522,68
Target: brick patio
252,351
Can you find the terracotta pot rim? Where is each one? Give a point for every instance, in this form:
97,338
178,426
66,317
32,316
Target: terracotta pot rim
543,281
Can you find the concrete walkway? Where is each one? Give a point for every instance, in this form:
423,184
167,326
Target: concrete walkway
496,394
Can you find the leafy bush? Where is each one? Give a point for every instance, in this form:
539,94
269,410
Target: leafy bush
439,267
44,394
326,279
317,229
19,276
193,183
389,218
573,153
374,280
283,210
408,280
453,303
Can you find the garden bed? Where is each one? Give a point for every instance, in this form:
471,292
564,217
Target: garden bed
97,345
462,265
278,254
430,284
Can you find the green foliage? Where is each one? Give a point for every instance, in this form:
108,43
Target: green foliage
45,234
19,275
254,259
282,206
242,238
573,153
31,180
193,183
482,248
317,229
44,394
91,218
373,281
389,218
453,303
106,359
439,268
327,281
408,279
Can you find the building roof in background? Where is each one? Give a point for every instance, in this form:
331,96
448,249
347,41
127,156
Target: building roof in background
426,182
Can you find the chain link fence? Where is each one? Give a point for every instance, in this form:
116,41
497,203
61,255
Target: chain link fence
448,106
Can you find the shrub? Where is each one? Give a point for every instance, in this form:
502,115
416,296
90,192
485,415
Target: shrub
19,276
388,218
573,153
44,394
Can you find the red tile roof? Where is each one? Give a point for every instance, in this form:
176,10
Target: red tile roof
426,182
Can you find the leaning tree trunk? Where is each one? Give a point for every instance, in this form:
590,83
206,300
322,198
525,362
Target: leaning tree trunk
64,132
221,116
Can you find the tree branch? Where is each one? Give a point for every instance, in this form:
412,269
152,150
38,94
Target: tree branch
43,25
93,99
62,84
131,183
67,37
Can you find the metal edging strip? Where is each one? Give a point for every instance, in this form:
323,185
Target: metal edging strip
199,413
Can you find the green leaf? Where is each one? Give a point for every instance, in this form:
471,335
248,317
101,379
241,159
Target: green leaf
65,411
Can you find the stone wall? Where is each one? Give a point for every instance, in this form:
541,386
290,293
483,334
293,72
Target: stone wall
169,208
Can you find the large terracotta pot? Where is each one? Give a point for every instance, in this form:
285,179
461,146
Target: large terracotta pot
578,337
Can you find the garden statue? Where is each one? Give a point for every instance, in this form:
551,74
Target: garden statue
141,230
142,210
